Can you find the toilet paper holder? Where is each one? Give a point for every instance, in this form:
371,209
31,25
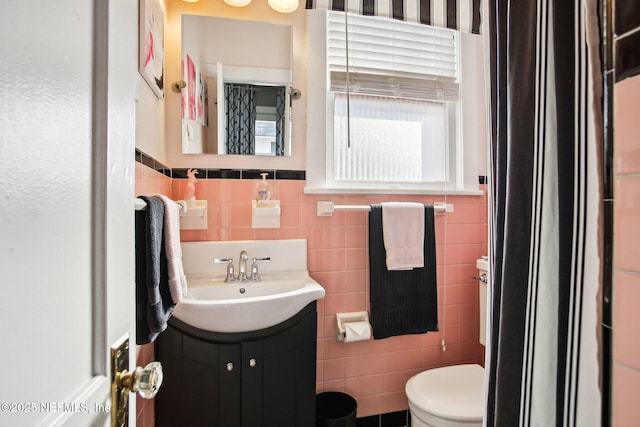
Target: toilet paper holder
342,318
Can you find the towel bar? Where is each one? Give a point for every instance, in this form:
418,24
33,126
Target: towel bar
141,205
326,208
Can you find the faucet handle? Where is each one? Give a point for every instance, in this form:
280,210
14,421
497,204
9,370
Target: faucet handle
254,267
230,269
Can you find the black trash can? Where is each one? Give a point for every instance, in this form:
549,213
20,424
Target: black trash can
335,409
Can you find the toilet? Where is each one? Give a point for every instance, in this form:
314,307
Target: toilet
452,396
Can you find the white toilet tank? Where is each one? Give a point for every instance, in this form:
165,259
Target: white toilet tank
482,265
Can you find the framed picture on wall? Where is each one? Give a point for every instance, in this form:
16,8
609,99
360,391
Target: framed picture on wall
191,89
151,45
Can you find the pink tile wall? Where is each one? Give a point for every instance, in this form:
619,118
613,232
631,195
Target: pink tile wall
374,372
626,285
148,182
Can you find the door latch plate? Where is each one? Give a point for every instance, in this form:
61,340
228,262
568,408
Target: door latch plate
119,393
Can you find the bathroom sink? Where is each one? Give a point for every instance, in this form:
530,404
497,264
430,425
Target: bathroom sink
214,305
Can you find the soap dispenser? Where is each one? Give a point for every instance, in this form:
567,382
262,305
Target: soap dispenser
266,211
263,194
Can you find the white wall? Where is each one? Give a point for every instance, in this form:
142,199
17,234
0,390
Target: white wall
150,116
474,103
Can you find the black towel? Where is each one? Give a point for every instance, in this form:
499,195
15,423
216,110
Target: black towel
154,304
402,302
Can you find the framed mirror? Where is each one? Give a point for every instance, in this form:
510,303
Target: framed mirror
237,78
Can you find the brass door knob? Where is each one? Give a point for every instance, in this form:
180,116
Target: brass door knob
144,381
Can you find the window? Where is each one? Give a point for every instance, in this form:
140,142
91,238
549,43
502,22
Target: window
378,126
400,126
265,137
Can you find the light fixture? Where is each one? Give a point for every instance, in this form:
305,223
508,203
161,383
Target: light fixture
237,3
283,6
191,1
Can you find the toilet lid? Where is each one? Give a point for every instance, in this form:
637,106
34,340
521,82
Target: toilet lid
454,392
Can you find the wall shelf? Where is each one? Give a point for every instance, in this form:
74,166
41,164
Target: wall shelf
194,217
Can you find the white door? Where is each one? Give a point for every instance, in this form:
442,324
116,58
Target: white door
67,99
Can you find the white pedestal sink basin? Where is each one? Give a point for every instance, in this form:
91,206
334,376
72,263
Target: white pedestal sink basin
212,304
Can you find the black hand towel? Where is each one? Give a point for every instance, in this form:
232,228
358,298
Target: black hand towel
402,302
154,304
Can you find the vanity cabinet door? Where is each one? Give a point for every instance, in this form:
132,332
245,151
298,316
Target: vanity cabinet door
253,389
202,382
278,377
168,350
227,387
254,381
289,376
211,383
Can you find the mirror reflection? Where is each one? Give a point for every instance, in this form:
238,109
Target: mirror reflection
237,98
255,119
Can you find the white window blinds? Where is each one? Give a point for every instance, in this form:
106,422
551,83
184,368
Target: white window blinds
393,140
391,58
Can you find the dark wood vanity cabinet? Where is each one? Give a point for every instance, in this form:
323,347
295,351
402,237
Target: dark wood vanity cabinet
260,378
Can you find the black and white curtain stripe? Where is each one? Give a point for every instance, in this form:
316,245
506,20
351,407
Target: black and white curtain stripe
543,365
462,15
240,114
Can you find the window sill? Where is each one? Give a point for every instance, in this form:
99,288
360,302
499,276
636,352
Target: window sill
327,190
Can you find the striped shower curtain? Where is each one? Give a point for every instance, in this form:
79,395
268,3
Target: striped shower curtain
543,363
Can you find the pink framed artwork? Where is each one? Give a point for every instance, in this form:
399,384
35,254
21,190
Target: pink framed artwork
151,45
191,89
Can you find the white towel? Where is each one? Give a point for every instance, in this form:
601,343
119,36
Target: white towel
403,235
175,269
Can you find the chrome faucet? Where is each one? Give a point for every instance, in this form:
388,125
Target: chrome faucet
254,268
242,266
230,270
